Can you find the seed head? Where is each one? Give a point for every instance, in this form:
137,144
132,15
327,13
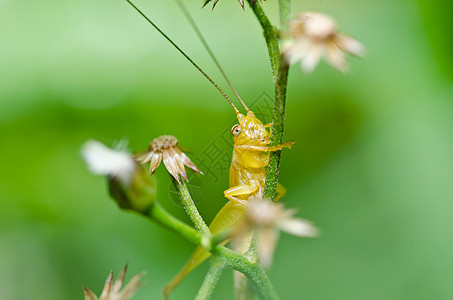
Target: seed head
112,291
166,148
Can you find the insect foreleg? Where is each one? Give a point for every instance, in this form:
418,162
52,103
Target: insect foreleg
266,148
240,190
269,125
281,191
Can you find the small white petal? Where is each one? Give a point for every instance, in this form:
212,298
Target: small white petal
131,288
336,58
349,45
102,160
89,295
267,241
318,26
146,158
297,51
312,57
107,286
298,227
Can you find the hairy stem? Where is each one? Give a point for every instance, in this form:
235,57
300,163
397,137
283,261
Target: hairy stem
273,167
160,216
243,289
285,13
280,74
254,272
218,264
280,71
190,207
236,261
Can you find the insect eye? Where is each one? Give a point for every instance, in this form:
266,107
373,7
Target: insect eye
236,130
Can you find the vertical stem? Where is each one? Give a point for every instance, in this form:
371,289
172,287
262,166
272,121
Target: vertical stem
218,264
243,289
280,72
273,167
190,207
278,120
285,13
254,273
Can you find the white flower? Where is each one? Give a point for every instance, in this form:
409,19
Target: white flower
269,219
114,292
102,160
314,35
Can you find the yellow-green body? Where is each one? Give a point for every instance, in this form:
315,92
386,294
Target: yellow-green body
247,178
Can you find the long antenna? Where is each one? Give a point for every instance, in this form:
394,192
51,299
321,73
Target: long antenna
208,49
184,54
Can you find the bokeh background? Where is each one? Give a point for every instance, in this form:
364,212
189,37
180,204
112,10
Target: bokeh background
372,168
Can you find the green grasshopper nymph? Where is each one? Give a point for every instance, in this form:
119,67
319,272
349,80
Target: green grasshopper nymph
250,157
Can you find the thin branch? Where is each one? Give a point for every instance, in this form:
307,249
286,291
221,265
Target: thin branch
190,207
236,261
218,264
285,13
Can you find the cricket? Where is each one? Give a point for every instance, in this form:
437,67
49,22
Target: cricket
250,157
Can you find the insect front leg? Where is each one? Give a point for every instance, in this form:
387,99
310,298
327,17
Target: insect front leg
240,190
269,125
266,148
281,191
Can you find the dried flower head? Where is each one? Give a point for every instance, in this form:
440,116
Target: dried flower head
102,160
313,35
268,219
112,291
166,148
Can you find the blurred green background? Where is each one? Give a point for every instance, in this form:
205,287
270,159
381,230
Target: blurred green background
372,168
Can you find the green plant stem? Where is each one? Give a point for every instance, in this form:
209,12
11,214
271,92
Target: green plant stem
280,72
221,236
190,207
238,262
280,75
270,35
285,13
273,167
243,289
254,272
218,264
160,216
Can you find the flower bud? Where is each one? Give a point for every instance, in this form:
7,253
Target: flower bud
129,184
